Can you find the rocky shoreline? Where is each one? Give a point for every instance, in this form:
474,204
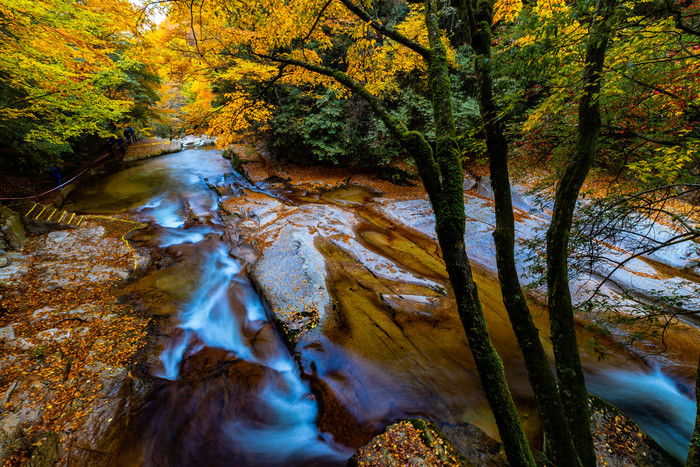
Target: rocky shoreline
328,267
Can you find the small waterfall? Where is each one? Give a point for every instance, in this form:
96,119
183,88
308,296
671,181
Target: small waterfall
208,315
287,433
654,402
229,391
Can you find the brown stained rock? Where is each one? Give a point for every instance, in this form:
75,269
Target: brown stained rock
12,234
46,451
414,442
215,390
151,147
338,419
205,361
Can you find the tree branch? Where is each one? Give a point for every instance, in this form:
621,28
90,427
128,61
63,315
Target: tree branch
678,18
663,142
412,141
318,19
390,33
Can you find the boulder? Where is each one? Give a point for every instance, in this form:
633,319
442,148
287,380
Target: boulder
301,300
475,445
10,433
197,141
12,233
415,442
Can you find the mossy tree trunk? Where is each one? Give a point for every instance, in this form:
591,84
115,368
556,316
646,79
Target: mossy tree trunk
572,385
450,226
560,449
442,175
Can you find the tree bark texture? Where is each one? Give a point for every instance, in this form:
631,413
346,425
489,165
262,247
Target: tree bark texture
560,449
572,385
450,226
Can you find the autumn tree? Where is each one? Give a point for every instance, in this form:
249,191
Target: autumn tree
561,449
440,170
254,50
68,69
648,88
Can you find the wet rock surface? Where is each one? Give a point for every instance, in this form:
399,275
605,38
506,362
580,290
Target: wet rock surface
292,255
620,442
66,340
389,346
151,147
353,280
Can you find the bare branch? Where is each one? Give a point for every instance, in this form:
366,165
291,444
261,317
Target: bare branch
390,33
678,18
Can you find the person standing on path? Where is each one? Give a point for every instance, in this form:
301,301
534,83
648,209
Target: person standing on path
56,174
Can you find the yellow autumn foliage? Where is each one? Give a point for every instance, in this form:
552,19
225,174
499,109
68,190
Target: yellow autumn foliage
234,42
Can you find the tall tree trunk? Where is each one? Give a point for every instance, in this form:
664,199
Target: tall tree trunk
694,453
441,173
450,225
572,385
560,448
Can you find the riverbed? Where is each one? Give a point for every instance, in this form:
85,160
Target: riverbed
225,387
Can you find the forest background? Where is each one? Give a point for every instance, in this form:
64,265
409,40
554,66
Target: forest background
553,86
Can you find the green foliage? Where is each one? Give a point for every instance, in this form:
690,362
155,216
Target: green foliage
134,81
308,130
320,126
67,72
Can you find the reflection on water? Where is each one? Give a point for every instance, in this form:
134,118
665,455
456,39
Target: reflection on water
157,187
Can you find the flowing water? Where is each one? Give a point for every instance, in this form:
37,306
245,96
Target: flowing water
228,390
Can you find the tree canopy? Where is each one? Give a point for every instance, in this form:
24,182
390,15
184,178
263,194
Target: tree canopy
69,70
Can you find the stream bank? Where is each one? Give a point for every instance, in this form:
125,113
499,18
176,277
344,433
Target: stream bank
360,296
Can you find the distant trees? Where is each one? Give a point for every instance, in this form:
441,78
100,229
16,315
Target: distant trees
67,70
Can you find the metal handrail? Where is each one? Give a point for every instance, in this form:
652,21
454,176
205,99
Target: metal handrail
92,165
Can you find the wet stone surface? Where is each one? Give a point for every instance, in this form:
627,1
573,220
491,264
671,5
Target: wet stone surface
356,286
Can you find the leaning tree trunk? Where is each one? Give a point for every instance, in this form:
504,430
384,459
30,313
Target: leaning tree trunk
572,385
560,447
442,176
450,226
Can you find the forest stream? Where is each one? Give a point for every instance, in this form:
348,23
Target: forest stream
228,390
